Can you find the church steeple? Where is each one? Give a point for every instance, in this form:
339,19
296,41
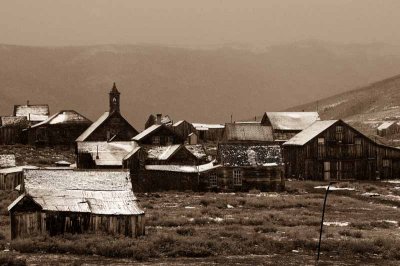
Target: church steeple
114,99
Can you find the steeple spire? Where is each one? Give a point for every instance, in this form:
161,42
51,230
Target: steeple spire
114,99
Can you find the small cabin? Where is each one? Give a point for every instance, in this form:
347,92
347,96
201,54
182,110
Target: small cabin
388,128
55,202
61,129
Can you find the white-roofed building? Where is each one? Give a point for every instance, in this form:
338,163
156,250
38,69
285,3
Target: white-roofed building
34,113
388,128
68,201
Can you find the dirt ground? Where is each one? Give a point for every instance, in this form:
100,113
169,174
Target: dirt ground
361,228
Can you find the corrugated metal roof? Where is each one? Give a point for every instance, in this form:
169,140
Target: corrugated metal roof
248,132
386,125
93,127
183,168
292,120
97,192
246,154
146,132
107,153
7,160
310,132
8,121
64,117
39,112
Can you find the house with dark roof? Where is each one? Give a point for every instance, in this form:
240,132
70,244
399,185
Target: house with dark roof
55,202
62,128
34,113
158,135
172,167
287,124
334,150
158,119
11,129
108,137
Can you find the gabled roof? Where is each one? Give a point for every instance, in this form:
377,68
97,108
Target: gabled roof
134,151
38,112
162,153
146,132
247,154
310,132
386,125
14,121
7,160
248,132
107,153
97,192
197,150
64,117
178,123
290,120
93,127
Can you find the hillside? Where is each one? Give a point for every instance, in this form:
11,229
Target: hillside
365,107
200,85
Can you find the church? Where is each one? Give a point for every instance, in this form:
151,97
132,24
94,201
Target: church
108,139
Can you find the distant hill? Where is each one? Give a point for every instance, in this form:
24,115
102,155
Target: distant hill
365,107
199,85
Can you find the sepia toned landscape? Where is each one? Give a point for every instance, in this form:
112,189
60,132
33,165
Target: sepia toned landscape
199,133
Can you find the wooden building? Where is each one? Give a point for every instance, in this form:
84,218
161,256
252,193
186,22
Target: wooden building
185,130
209,132
66,201
388,128
108,137
11,129
162,168
333,150
61,129
287,124
248,165
158,135
12,177
247,132
34,113
158,119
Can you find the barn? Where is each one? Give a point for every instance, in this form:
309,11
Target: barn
66,201
287,124
333,150
61,129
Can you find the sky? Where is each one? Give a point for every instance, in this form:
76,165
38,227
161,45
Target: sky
197,23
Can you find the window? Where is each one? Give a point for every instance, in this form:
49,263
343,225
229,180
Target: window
170,140
357,142
321,147
156,140
386,163
237,177
339,133
213,180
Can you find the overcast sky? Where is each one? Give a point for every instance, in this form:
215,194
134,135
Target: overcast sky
197,22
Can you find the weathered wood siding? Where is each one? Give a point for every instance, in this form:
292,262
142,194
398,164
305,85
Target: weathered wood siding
11,180
10,135
54,135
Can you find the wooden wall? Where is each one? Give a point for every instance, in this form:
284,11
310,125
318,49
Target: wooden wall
54,135
10,135
11,180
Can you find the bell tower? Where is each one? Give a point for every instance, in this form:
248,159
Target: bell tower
114,99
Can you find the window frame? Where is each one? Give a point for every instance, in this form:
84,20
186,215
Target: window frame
237,176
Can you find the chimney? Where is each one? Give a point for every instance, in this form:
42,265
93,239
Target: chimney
27,103
158,121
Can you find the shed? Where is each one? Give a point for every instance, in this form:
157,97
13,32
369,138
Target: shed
11,128
66,201
12,177
249,165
